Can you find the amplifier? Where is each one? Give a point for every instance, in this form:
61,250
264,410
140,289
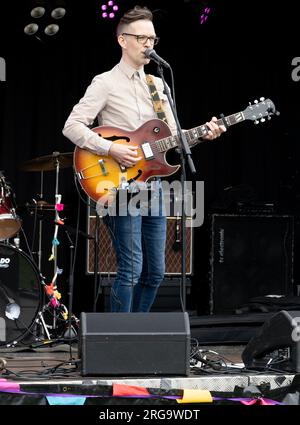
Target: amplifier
251,256
107,264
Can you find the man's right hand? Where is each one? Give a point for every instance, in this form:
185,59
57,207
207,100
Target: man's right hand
124,155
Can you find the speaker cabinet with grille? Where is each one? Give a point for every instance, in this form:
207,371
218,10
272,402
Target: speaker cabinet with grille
251,256
134,344
107,260
277,344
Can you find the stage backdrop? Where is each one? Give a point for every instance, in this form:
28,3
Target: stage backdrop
239,54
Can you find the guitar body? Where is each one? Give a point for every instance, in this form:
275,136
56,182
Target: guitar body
100,176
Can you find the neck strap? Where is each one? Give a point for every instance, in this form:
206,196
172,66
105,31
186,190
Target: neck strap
157,103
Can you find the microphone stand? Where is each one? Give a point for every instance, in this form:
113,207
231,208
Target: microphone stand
185,154
97,274
68,333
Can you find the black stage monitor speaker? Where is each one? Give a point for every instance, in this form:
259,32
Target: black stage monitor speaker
277,344
134,344
251,256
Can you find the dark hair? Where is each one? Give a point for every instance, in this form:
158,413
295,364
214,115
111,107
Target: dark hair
132,15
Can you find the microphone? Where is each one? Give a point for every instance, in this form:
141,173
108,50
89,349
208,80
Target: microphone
151,54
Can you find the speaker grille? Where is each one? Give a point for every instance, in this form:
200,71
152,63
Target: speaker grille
251,256
107,259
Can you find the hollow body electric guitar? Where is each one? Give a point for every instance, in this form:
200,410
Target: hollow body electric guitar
101,176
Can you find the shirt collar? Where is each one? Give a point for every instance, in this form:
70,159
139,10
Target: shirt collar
130,71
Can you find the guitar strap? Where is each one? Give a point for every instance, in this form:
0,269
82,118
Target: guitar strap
157,103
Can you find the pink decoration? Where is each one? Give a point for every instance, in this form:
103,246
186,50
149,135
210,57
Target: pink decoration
6,385
59,207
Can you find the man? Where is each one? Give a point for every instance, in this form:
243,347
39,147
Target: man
121,98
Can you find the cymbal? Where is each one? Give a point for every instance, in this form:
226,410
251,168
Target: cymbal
49,162
40,206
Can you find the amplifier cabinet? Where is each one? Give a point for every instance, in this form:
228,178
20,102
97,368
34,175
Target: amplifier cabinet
251,256
107,264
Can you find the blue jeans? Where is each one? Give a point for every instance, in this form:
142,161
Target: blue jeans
139,242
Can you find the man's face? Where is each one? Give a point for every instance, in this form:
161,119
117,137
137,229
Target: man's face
133,50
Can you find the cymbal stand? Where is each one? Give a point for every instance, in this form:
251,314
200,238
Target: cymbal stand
53,304
40,235
41,196
56,218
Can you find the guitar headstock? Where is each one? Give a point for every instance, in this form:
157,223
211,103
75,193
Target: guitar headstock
258,111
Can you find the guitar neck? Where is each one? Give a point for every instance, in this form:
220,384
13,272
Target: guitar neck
194,135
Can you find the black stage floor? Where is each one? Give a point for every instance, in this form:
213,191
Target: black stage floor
49,372
35,374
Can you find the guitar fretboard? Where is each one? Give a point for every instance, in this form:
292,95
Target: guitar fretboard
194,135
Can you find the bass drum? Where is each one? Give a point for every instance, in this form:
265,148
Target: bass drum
20,294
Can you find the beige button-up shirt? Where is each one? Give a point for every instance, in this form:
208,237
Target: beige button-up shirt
118,98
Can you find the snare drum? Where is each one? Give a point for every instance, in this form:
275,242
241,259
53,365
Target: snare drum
10,223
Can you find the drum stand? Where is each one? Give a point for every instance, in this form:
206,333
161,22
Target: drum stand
43,332
40,320
52,307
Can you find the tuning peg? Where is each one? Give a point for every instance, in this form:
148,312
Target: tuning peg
261,99
269,117
256,122
262,120
256,101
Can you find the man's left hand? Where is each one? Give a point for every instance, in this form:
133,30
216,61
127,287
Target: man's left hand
214,129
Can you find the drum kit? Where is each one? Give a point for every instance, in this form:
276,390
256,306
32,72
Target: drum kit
22,286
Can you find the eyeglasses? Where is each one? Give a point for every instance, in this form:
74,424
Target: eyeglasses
142,39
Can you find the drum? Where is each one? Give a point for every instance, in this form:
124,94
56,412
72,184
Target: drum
10,223
20,294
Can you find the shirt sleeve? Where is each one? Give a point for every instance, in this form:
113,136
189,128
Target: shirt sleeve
83,115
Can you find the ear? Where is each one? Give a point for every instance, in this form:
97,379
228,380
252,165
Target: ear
122,41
